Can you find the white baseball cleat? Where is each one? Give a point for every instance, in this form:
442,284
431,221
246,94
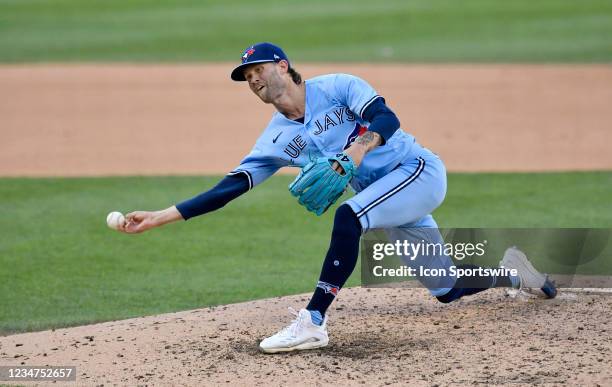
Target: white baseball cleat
300,334
532,281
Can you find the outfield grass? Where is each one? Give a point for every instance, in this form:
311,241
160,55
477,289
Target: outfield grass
319,30
62,266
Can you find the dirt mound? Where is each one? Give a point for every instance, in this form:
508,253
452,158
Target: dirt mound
378,337
77,120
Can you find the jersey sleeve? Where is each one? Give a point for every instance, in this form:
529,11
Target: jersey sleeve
382,120
228,189
355,93
257,166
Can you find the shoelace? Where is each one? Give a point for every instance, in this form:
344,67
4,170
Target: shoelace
291,329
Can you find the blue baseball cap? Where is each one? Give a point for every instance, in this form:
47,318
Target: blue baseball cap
259,53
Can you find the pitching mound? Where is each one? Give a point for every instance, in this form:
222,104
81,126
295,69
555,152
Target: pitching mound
378,337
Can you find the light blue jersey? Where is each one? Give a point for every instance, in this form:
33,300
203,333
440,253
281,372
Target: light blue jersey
398,184
335,104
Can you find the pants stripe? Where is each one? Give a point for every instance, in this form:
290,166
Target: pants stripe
395,190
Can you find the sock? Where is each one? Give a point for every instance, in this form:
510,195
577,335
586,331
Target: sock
340,260
515,281
466,286
316,317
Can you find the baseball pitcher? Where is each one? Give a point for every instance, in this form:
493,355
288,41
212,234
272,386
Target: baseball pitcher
340,132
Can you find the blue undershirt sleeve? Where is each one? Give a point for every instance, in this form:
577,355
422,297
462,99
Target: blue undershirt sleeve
228,189
382,120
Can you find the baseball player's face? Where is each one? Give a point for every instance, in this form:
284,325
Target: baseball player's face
266,81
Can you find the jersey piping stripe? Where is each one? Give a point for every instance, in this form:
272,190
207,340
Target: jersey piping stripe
249,177
368,104
395,190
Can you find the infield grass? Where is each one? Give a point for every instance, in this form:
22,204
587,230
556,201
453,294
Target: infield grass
61,265
318,30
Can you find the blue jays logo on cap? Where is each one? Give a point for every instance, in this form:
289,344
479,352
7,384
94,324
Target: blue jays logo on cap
258,53
247,54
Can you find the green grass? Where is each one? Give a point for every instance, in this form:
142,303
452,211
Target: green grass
61,266
318,30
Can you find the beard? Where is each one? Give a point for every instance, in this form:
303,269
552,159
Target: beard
272,90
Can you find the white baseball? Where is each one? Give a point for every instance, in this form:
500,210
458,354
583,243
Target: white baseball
115,219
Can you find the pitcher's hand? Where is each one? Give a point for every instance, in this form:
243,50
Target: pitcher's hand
139,221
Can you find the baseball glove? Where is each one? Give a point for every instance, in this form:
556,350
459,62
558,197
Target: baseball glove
319,185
